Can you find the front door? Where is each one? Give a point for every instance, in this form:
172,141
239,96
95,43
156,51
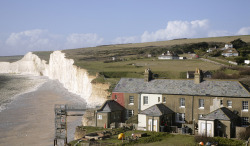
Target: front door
205,129
152,125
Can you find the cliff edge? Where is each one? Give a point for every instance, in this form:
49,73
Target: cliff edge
73,78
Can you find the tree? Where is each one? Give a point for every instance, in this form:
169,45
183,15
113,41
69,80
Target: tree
238,43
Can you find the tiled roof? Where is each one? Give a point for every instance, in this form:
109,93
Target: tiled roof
230,50
182,87
110,106
157,110
220,114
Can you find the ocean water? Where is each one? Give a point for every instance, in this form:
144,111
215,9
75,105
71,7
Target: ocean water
27,104
12,85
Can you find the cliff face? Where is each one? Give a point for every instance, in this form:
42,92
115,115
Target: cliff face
74,79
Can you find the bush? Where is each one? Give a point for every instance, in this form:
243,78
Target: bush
244,135
204,139
220,140
222,75
225,141
245,71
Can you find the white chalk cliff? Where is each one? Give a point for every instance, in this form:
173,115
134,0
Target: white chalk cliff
75,79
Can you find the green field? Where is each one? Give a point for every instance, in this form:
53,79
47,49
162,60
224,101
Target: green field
131,59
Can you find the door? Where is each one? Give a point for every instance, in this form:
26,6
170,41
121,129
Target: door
152,125
209,130
149,124
203,129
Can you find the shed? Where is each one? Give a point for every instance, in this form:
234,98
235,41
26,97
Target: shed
154,117
221,122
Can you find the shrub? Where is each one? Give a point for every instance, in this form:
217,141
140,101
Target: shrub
244,135
220,140
245,71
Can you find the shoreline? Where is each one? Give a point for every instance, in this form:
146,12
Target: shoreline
29,118
36,82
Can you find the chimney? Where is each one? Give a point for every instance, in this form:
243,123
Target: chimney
148,75
197,76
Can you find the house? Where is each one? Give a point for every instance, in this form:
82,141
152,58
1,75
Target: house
247,61
188,99
211,49
230,52
205,74
154,117
168,55
190,74
221,122
110,112
227,46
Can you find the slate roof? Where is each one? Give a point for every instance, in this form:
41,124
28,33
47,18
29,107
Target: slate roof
110,106
182,87
157,110
220,114
230,50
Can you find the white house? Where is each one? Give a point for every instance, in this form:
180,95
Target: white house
230,52
168,55
148,100
227,46
247,61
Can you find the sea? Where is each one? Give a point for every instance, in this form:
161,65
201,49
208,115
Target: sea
27,108
13,85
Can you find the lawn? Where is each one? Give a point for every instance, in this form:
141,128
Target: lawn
153,138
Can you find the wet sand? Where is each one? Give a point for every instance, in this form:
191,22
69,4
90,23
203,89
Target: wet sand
29,119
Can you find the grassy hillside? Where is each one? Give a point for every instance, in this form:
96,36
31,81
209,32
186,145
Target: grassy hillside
10,58
131,59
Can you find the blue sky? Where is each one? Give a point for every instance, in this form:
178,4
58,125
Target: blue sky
40,25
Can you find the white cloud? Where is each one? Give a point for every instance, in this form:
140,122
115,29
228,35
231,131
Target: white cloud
43,40
83,40
125,40
244,31
178,29
30,39
218,33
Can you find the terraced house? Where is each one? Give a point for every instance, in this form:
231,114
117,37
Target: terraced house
189,99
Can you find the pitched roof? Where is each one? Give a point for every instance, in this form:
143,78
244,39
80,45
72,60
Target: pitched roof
157,110
110,106
230,50
182,87
220,114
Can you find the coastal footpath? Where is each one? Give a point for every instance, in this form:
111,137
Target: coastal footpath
73,78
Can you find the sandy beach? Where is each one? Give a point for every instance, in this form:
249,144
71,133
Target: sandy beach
29,119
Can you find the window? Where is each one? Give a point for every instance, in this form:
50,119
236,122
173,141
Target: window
130,113
99,117
115,97
229,103
131,99
164,99
244,121
245,105
182,102
145,99
201,103
159,99
180,117
221,102
218,124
